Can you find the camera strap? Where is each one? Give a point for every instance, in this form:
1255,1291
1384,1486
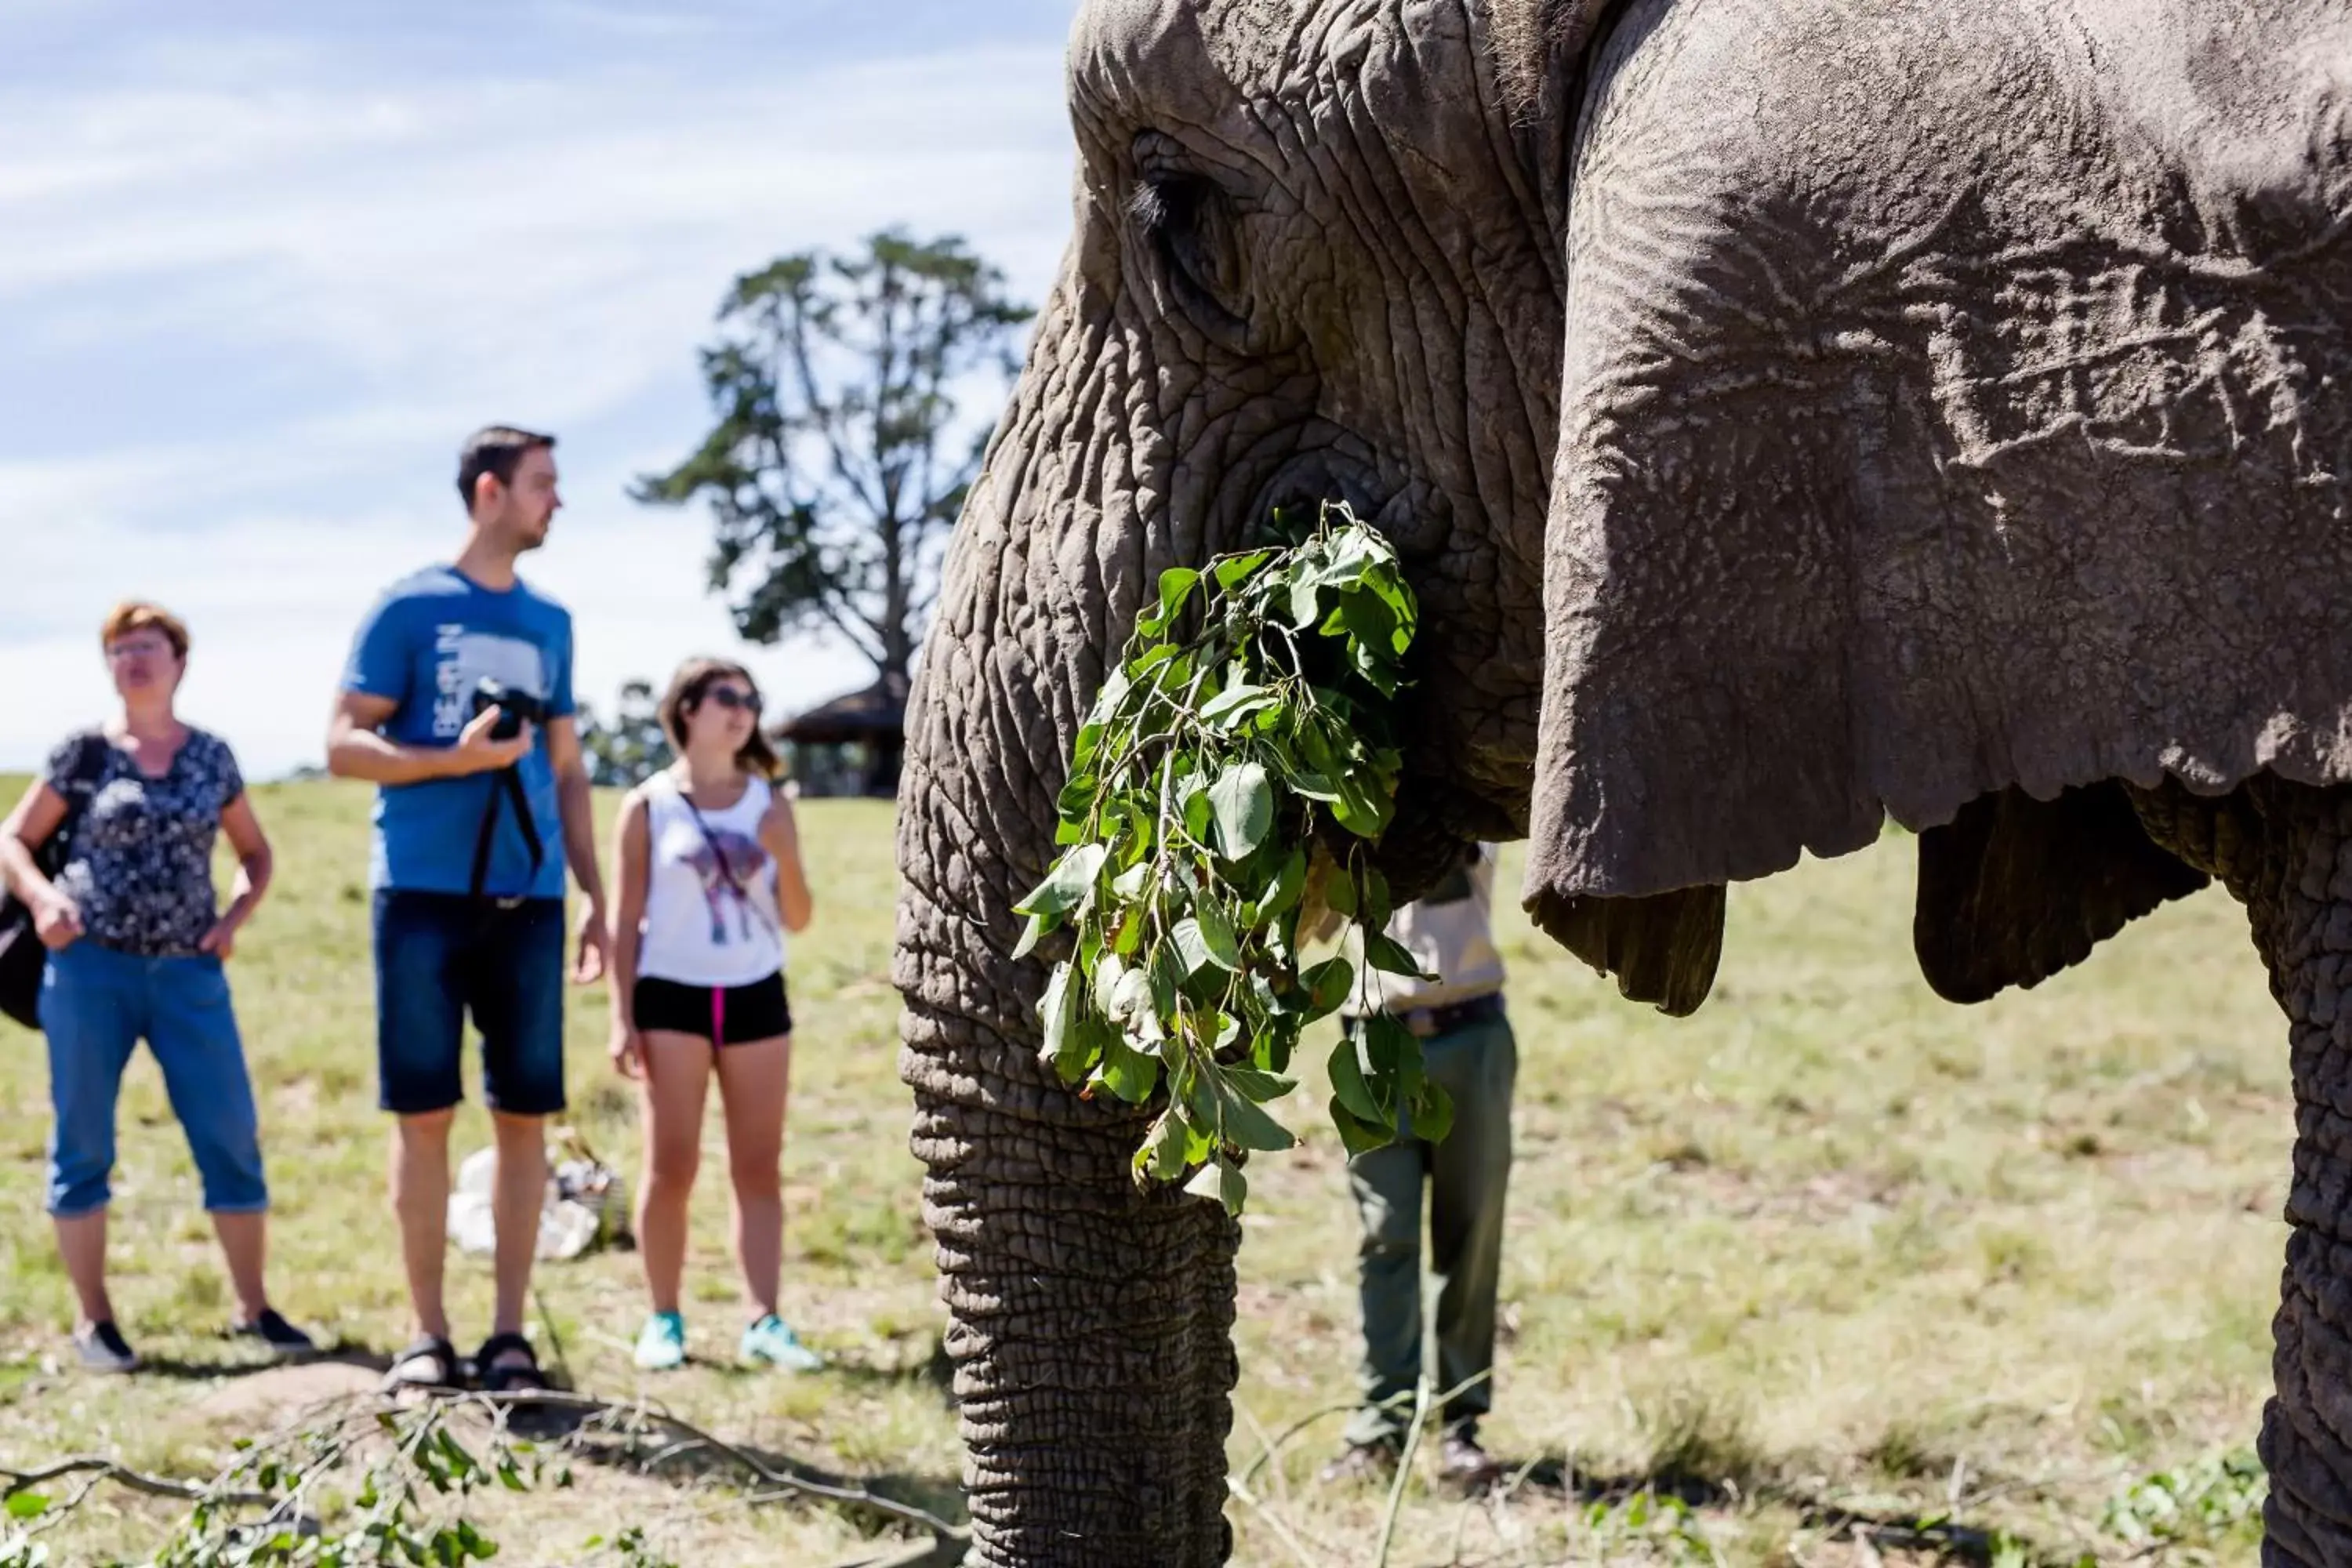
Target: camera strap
506,787
726,867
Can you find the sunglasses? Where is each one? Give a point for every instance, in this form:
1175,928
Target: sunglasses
732,697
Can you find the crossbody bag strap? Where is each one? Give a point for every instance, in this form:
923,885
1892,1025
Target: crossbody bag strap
88,767
507,786
718,853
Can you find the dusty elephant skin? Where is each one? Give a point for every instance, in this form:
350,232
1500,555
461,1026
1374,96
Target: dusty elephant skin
1791,412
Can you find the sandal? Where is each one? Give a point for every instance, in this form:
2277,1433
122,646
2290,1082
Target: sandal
497,1371
430,1365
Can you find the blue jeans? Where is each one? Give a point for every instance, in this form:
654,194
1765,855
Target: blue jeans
1467,1177
439,956
96,1005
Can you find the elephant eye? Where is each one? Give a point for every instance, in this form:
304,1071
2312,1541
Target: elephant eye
1192,230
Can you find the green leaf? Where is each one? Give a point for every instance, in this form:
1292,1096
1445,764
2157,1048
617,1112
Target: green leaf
1069,885
1389,956
1234,570
1224,949
1247,1126
1110,970
1260,1086
1304,608
1193,795
1131,1001
1030,934
1432,1112
27,1505
1242,800
1229,707
1363,618
1130,935
1289,881
1361,813
1162,1154
1176,585
1058,1011
1191,946
1327,984
1348,1085
1084,1049
1223,1182
1127,1072
1357,1135
1340,894
1144,663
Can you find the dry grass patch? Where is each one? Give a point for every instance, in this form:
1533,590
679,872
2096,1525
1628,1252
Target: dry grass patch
1831,1258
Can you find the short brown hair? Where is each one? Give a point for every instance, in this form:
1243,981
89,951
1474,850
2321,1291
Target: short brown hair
495,449
139,615
695,677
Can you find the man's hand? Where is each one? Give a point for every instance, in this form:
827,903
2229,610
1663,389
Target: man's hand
57,922
593,943
477,753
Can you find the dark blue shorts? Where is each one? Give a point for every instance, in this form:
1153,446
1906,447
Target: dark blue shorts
441,956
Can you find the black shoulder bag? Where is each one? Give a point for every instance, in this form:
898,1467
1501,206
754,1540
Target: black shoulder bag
23,959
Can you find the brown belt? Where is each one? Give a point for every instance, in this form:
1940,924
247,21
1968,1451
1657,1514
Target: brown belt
1430,1022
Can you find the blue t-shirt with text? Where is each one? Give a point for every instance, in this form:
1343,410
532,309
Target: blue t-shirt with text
426,645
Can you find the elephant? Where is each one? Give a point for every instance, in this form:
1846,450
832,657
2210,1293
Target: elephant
1793,415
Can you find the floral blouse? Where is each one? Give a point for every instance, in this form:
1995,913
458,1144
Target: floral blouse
140,864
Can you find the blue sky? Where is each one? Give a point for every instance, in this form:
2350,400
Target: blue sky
264,271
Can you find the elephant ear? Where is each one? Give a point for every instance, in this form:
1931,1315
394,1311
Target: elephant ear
2014,889
1663,950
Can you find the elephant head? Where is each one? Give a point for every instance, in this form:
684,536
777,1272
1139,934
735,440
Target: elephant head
1790,414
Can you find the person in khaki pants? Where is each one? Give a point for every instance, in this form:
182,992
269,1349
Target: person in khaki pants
1467,1048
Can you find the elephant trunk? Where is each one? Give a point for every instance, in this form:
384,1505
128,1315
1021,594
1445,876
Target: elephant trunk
1091,1331
2286,852
1090,1321
1091,1324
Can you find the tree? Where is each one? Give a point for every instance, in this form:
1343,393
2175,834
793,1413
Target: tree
843,447
632,748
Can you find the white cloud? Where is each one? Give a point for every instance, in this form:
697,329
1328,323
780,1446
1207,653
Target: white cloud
261,320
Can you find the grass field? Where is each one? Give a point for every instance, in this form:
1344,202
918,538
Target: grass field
1832,1255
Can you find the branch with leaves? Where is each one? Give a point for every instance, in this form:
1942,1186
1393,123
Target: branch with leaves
1228,786
282,1502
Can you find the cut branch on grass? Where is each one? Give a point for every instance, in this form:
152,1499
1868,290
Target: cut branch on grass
120,1475
416,1444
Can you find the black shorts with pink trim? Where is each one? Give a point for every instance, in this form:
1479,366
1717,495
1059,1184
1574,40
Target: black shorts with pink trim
723,1014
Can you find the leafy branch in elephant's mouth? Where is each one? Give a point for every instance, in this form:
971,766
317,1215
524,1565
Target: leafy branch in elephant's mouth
1223,794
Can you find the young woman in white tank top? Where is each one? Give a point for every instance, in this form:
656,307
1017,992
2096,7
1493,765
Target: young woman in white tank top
710,881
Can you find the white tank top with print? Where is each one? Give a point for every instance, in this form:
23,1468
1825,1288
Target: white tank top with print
709,920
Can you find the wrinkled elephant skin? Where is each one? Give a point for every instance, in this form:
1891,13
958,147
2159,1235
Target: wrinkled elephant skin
1791,412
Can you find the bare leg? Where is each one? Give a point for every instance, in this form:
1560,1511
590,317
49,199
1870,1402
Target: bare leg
677,1079
753,1080
245,1244
420,1197
81,1240
515,1204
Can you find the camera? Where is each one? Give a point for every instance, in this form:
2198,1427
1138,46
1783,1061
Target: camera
516,708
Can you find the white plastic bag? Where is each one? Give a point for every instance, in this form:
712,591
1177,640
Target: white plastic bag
586,1203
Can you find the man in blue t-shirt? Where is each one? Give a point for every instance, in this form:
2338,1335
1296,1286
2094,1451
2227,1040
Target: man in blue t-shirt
468,881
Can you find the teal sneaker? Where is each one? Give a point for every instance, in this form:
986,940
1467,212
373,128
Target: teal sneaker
661,1343
771,1340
